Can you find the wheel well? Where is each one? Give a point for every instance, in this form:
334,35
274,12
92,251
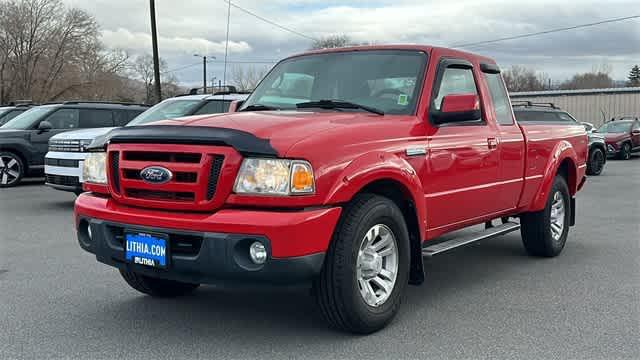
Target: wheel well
397,193
567,169
19,154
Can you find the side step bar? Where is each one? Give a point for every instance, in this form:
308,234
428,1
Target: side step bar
471,238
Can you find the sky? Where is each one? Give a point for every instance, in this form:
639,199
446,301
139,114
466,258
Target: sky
188,27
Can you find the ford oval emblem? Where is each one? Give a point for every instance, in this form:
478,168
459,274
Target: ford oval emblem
156,175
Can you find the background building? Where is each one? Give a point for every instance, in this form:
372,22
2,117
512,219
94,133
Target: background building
592,105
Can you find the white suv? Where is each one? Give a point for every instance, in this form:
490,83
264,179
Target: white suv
67,150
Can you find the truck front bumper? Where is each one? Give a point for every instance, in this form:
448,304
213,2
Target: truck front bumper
212,248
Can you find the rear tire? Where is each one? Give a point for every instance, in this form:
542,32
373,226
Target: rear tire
544,233
11,169
625,152
596,162
157,287
357,290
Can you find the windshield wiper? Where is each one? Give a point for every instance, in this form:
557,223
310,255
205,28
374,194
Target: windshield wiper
337,104
259,107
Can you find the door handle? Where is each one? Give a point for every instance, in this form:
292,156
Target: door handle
492,143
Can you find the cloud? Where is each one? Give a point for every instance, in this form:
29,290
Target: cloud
141,42
188,26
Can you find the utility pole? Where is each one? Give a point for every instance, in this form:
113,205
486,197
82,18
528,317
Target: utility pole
156,57
204,74
204,71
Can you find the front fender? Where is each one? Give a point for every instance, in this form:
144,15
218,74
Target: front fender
19,145
561,152
376,166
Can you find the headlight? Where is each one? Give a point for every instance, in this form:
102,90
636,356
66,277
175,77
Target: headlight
95,168
275,177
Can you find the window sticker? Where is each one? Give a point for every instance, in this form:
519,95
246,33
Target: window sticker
403,99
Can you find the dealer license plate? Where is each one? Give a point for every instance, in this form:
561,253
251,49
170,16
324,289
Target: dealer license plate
147,249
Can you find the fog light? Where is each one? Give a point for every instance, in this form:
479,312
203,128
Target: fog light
258,253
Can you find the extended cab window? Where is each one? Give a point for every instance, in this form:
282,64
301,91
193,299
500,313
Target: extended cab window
214,107
455,81
123,117
388,80
500,99
90,118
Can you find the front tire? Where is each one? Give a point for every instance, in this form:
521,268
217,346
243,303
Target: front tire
157,287
596,162
11,169
544,233
366,269
625,152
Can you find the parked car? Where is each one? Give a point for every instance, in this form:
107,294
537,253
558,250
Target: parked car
530,112
9,112
63,162
24,140
342,169
622,137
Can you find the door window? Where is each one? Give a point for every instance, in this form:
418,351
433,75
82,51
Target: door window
455,81
64,119
93,118
123,117
214,107
500,99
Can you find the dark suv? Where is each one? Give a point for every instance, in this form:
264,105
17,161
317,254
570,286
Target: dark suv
10,111
24,140
548,113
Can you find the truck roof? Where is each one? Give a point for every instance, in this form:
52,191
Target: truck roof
232,97
416,47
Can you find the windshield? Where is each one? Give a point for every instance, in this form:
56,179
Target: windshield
615,127
389,80
168,109
27,119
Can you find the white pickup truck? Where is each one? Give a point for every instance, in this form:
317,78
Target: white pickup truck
64,161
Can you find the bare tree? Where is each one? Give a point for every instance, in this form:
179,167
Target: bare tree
247,78
519,78
49,51
593,80
142,69
332,41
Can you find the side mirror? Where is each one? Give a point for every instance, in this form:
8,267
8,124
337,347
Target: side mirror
458,108
235,105
44,126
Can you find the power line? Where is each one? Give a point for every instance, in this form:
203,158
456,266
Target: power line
545,32
220,62
270,22
181,68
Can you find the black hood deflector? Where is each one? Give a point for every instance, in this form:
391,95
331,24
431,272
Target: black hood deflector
244,142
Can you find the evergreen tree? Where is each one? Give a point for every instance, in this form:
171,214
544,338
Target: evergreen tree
634,76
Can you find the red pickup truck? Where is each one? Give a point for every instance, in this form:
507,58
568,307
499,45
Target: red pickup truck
341,170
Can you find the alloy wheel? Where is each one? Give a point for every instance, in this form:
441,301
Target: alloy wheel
557,216
10,169
377,265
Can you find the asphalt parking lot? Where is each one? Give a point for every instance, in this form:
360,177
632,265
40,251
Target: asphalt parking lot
485,301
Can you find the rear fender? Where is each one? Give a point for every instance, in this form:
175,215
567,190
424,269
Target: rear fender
376,166
561,152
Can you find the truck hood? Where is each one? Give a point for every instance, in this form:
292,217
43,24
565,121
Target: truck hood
84,134
282,129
